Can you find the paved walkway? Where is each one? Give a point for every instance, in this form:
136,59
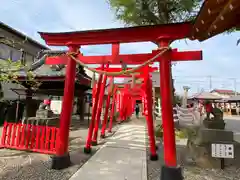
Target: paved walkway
123,157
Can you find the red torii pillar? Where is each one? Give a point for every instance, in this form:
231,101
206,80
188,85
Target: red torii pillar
99,110
147,86
62,158
170,171
137,73
112,110
104,123
87,148
181,56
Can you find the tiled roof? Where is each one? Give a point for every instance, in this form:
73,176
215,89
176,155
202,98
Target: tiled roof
39,68
205,95
223,91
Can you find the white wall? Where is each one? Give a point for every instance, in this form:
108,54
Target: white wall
156,79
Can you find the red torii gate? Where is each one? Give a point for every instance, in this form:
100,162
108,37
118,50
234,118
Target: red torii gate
163,35
97,108
136,74
94,141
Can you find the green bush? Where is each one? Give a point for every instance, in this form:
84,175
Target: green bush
181,134
159,131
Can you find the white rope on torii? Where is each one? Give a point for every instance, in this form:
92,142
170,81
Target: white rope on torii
123,72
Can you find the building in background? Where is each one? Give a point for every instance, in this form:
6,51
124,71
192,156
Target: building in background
15,45
224,93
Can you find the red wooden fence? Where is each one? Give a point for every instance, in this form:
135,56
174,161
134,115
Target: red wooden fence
42,139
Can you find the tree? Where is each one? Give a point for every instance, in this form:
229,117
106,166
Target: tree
177,99
11,70
151,12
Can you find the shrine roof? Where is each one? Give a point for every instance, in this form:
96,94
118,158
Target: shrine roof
223,91
119,35
216,17
50,73
205,96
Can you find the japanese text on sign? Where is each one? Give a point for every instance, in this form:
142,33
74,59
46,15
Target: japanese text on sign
222,150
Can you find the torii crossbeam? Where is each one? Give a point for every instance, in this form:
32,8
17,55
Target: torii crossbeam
163,35
131,59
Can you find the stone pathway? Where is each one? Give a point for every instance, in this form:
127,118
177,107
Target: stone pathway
122,157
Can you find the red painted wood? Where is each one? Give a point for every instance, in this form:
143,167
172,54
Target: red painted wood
53,137
170,158
29,126
14,134
96,92
119,35
24,137
105,120
9,133
100,106
152,69
38,137
19,129
67,105
131,59
149,114
47,139
4,132
112,109
33,137
42,137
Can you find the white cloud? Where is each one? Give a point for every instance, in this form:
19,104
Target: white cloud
221,55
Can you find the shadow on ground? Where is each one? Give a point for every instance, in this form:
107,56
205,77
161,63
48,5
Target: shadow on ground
19,165
36,166
190,170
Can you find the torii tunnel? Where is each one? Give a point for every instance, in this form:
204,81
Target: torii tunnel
163,36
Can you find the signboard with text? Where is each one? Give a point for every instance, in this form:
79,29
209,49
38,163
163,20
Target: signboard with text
222,150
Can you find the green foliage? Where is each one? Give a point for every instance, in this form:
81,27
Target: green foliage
179,134
177,99
151,12
233,29
159,131
11,70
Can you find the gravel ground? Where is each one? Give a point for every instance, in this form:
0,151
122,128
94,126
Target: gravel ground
21,165
190,170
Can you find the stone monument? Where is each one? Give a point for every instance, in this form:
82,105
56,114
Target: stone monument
44,116
185,96
200,141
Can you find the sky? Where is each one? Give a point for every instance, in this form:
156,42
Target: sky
221,56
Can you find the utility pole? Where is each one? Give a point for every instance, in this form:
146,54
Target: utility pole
235,85
210,82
